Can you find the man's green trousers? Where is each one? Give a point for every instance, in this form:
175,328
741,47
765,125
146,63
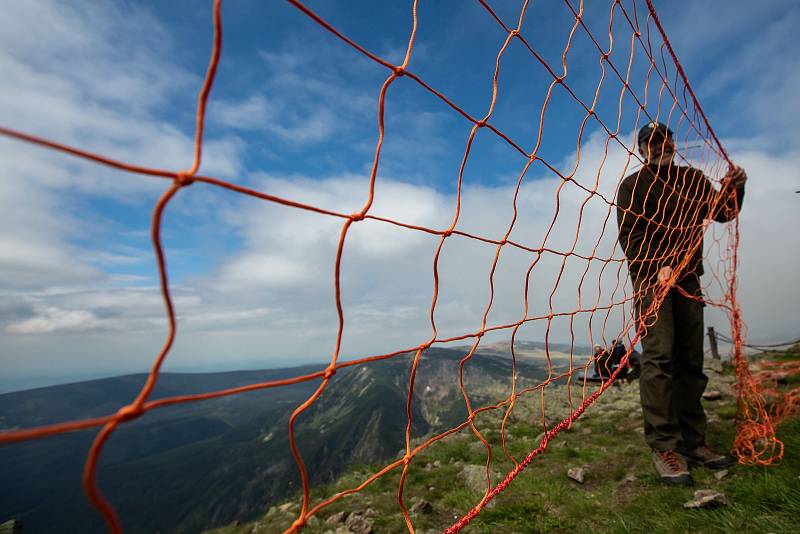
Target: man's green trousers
672,380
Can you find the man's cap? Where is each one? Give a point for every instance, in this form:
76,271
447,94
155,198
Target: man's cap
647,130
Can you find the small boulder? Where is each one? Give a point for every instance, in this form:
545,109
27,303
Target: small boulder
475,477
338,517
421,507
437,463
719,475
286,507
706,498
712,394
578,474
359,523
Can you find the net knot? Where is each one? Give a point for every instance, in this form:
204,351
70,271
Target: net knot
329,372
132,411
299,523
406,459
513,33
399,71
184,179
447,233
355,217
480,123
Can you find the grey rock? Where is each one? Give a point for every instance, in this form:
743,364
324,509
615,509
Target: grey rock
706,498
719,475
338,517
359,523
475,477
712,394
286,507
578,474
421,507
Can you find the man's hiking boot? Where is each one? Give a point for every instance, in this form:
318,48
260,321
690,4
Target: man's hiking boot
705,457
672,468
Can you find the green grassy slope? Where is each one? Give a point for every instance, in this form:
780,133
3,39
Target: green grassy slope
621,492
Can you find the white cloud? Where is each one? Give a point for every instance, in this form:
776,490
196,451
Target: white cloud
51,320
271,300
92,75
99,77
312,125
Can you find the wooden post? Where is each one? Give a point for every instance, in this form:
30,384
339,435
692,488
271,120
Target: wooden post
712,341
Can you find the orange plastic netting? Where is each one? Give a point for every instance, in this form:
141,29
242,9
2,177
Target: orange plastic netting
676,106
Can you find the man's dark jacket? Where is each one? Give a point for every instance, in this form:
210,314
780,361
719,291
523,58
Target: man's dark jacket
660,212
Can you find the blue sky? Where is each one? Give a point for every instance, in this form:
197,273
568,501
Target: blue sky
294,112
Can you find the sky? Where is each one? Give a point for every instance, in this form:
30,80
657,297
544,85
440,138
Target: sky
294,113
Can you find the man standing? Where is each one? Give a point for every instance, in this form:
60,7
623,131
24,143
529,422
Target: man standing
661,210
617,353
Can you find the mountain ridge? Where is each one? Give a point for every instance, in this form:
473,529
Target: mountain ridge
231,454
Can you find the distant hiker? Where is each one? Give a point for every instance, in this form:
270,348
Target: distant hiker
617,353
660,212
601,363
